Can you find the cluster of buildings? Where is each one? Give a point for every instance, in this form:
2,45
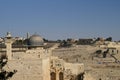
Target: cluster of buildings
33,62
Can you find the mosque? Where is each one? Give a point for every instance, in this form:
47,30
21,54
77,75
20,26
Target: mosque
34,62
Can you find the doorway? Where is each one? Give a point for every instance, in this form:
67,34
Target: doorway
53,75
61,76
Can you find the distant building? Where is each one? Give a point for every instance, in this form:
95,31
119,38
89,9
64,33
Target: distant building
1,40
85,41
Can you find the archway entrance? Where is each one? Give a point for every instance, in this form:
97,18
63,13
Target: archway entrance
80,76
61,76
53,75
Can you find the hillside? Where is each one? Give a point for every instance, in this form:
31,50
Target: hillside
95,68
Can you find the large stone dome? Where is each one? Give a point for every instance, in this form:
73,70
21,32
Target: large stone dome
36,40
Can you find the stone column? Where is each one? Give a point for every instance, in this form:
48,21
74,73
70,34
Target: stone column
46,69
57,75
8,44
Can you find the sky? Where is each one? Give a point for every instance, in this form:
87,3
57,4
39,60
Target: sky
61,19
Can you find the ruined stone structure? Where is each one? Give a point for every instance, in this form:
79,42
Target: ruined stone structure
33,62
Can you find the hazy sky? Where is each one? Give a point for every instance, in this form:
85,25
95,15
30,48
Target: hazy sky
61,19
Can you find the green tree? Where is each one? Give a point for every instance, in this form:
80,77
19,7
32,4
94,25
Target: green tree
109,39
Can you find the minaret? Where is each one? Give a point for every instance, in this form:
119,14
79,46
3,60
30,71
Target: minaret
28,35
8,43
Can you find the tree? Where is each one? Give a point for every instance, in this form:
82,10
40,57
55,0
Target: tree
45,40
18,42
64,43
5,75
109,39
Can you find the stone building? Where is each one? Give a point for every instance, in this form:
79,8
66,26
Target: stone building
33,62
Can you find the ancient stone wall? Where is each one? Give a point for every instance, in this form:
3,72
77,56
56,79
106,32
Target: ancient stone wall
26,69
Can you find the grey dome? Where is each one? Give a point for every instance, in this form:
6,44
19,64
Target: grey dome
36,40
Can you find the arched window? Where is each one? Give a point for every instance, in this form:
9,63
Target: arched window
61,76
53,75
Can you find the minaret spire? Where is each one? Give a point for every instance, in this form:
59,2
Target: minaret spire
8,43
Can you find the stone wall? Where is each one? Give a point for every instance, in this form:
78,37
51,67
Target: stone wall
26,69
